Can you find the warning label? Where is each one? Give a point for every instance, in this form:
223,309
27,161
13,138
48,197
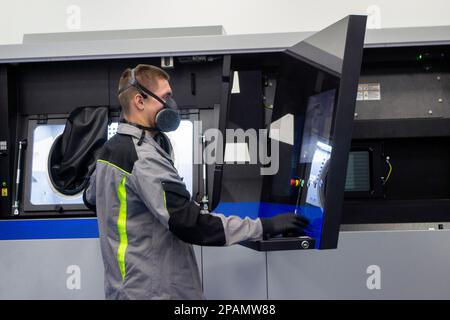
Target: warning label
368,91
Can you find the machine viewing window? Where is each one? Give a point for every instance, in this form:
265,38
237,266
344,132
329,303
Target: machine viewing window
42,189
41,195
182,141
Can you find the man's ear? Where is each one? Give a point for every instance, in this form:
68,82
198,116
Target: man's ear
138,102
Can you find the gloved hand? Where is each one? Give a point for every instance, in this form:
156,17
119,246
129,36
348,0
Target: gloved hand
286,223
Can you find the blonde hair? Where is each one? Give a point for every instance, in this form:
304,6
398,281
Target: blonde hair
146,74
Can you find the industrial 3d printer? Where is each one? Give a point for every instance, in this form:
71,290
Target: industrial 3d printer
362,138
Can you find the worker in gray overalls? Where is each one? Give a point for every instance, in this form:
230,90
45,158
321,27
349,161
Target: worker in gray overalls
147,220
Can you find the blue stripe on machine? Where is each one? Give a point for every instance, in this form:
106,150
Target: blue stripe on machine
49,229
88,227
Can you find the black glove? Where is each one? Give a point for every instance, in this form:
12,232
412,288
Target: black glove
286,224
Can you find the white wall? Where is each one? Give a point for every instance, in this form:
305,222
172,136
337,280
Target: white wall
237,16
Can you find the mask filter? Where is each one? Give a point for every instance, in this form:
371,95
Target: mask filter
168,119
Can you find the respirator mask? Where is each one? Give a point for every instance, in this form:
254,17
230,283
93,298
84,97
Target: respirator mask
167,119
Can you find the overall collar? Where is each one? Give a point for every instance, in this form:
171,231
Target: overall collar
131,130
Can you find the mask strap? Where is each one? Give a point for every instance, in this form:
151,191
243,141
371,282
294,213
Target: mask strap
143,128
141,139
143,90
138,125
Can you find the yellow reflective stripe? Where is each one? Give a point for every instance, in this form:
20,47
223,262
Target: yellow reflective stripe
109,163
122,226
165,204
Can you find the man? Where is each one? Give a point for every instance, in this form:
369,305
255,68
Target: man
147,219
